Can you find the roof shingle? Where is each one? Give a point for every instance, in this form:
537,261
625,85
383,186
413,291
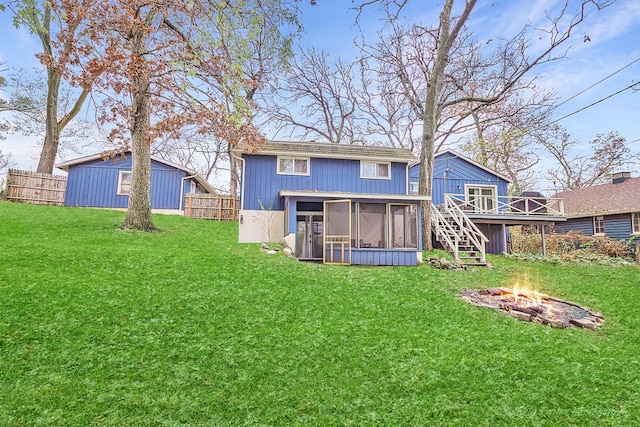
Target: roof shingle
603,199
329,150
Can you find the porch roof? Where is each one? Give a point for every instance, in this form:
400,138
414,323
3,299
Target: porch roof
360,196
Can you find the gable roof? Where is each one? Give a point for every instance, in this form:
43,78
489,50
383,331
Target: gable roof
476,164
330,150
99,156
623,197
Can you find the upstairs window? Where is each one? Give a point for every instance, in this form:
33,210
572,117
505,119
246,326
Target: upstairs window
293,166
635,219
375,170
124,183
598,225
413,188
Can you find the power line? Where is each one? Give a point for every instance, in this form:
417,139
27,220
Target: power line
597,83
597,102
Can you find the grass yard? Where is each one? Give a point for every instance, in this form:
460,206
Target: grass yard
189,328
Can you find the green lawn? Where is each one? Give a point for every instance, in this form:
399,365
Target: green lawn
186,327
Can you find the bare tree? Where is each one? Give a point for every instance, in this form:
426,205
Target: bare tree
609,154
17,103
205,154
448,94
31,91
504,137
317,100
5,162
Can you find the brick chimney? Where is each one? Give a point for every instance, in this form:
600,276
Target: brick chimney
619,177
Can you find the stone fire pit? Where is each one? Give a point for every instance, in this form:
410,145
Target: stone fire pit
535,307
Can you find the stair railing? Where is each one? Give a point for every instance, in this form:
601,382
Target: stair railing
467,227
445,231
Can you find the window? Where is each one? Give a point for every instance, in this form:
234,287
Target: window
598,225
124,183
482,197
372,224
635,220
375,170
404,226
293,166
413,188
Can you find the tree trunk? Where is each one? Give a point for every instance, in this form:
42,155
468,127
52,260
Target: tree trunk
138,215
430,123
52,133
432,112
235,179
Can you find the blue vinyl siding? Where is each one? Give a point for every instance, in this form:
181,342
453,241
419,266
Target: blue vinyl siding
583,225
617,226
459,173
383,257
263,183
493,232
95,184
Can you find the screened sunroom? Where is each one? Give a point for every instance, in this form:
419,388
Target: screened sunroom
367,229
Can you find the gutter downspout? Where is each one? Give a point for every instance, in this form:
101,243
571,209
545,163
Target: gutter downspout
407,186
182,192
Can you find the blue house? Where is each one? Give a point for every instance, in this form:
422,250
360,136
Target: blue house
359,205
95,182
470,195
337,203
611,210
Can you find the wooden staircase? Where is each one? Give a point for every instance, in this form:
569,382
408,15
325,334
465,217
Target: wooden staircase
458,234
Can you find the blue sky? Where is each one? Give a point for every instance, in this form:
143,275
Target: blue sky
615,43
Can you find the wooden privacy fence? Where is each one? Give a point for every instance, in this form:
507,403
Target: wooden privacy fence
211,206
36,188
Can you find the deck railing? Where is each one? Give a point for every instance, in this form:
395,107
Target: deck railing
507,205
445,232
468,229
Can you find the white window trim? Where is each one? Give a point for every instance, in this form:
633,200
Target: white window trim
307,159
362,175
594,226
633,223
494,198
119,190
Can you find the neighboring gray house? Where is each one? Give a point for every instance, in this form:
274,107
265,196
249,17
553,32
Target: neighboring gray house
611,210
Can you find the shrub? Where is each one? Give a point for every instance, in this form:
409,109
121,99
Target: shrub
571,245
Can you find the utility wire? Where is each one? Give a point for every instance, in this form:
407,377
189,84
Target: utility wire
597,102
597,83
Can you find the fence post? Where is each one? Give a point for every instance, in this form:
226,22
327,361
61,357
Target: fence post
233,209
189,203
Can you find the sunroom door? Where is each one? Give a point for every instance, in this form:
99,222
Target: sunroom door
337,232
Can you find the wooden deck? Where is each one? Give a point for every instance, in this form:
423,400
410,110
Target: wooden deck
510,210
